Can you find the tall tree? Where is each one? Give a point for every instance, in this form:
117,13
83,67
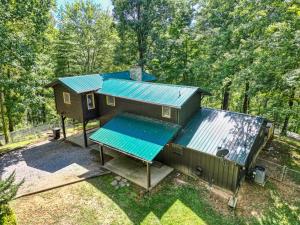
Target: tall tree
22,27
86,39
138,20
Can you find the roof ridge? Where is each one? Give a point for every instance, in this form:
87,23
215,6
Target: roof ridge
240,113
164,84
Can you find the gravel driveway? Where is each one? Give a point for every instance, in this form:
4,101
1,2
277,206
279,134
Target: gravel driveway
49,164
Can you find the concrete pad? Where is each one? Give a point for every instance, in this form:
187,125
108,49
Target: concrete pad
136,172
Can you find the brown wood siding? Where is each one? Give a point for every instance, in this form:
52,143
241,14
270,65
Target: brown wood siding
73,110
216,171
92,113
189,108
130,106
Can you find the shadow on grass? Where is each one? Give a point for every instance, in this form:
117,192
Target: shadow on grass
168,203
280,210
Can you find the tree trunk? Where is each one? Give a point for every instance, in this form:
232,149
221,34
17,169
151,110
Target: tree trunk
287,117
246,98
225,103
10,122
3,119
141,47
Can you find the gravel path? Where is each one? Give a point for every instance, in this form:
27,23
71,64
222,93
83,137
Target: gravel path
49,164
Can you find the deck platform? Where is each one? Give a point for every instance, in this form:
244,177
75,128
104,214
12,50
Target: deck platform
136,172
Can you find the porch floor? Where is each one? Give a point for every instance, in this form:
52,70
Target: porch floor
136,172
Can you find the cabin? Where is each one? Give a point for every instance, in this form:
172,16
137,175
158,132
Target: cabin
75,96
163,126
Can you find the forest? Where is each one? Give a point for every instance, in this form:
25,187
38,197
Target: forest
245,53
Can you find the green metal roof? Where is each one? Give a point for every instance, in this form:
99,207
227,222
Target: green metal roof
138,136
155,93
83,83
93,82
210,129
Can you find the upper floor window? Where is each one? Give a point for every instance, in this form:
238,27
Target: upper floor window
166,111
90,101
110,100
67,98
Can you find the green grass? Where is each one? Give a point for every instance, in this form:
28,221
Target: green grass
7,216
282,210
97,201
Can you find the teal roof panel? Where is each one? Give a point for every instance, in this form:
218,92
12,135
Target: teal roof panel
138,136
83,83
155,93
93,82
210,129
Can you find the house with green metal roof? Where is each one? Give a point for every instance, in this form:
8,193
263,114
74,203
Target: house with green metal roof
75,96
162,123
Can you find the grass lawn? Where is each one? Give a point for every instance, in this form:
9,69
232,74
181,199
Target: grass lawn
96,201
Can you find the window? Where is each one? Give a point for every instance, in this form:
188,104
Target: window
90,101
110,100
67,99
166,111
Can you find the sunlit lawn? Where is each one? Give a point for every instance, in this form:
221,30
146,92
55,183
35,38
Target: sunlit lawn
97,202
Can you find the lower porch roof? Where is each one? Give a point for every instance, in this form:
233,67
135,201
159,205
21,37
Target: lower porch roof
140,137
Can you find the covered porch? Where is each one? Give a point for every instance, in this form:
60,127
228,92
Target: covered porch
134,142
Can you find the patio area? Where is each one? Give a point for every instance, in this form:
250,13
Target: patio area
136,171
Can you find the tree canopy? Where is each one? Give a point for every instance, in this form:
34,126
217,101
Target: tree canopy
246,53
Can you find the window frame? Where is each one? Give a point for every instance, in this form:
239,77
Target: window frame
93,101
65,94
162,111
110,103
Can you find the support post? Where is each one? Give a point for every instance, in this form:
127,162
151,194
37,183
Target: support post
63,125
101,156
148,176
84,133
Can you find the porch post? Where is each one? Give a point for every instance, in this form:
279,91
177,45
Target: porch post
101,155
148,176
63,125
84,133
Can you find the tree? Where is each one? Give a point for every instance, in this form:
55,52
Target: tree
86,39
22,26
8,189
137,20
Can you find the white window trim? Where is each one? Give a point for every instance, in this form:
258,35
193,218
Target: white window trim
67,100
93,101
110,103
166,115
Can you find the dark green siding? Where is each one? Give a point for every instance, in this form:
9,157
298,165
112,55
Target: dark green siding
189,108
92,113
78,108
73,110
215,171
130,106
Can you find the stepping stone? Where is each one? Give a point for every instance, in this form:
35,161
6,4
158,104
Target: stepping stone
118,178
114,183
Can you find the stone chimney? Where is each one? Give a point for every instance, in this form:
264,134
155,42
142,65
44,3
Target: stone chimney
136,73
